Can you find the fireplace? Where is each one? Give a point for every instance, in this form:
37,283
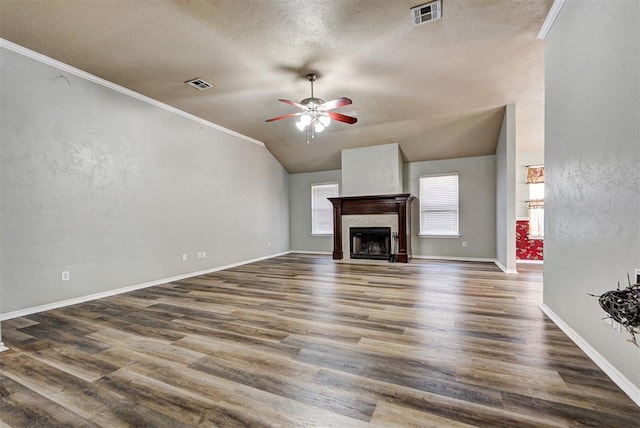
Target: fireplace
370,243
396,206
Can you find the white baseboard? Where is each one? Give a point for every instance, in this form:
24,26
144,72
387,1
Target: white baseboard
417,256
503,268
108,293
457,259
618,378
468,259
530,262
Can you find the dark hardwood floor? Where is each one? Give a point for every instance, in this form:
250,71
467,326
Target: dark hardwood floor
301,340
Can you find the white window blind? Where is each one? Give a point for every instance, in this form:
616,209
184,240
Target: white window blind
321,208
439,205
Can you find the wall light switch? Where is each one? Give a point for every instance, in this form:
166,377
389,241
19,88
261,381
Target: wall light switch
464,244
184,257
65,275
199,254
204,254
269,243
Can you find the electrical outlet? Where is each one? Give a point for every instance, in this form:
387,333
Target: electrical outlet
184,257
464,244
269,243
65,275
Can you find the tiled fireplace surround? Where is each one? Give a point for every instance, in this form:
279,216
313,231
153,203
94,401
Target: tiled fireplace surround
392,211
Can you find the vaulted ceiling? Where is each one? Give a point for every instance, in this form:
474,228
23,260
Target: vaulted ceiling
438,89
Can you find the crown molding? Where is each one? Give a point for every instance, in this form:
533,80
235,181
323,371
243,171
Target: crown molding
107,84
550,19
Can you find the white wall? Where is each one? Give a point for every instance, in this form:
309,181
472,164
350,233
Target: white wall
505,182
592,154
300,211
115,190
375,170
477,195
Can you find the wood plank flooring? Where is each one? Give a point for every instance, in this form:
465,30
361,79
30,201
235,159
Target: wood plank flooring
301,340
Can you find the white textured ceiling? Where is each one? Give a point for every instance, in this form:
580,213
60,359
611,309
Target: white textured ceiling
438,89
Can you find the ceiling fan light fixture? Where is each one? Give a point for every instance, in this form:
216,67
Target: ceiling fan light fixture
325,119
305,119
315,115
313,119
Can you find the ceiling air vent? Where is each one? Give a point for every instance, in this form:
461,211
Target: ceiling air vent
426,12
199,84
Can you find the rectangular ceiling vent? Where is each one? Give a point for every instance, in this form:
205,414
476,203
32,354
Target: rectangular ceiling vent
427,12
199,84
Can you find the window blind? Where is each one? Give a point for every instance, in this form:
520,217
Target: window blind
321,208
439,205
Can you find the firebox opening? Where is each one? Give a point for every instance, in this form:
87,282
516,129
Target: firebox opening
370,242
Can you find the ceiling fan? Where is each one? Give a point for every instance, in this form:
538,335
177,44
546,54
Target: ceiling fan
316,115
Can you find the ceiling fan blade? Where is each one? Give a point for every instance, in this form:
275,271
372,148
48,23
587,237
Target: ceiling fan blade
342,117
284,116
338,102
293,103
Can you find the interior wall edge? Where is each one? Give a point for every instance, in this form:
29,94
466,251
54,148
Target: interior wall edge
550,19
503,268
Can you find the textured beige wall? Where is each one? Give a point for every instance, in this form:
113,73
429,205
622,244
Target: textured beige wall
300,211
373,170
115,190
477,185
592,153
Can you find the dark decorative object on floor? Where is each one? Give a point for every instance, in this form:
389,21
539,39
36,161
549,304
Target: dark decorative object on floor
623,306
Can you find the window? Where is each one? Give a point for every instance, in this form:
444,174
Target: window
322,209
535,181
439,205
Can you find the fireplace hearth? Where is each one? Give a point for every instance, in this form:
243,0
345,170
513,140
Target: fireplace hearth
370,243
